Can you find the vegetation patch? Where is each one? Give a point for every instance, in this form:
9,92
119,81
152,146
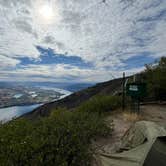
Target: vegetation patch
101,104
155,78
61,139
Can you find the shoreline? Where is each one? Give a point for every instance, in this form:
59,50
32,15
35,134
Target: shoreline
33,103
23,104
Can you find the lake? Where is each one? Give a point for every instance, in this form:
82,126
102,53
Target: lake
7,114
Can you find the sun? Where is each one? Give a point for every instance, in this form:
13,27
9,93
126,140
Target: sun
46,12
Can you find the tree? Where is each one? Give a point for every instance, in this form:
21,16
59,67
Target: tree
155,76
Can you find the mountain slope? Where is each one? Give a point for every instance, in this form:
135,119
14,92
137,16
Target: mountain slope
75,99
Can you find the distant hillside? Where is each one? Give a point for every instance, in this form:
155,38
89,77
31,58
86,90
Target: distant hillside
75,99
153,76
72,87
77,87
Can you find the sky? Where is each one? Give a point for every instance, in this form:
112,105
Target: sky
79,40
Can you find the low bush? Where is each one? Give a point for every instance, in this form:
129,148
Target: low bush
101,104
62,139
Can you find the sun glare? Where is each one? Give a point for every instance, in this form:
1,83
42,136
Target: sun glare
46,12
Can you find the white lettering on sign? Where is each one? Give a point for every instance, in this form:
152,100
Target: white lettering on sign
133,88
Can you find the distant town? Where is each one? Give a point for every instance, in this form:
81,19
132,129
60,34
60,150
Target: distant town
24,95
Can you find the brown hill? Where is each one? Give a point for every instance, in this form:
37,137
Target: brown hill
75,99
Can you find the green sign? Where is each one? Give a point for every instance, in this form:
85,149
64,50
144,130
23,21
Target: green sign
136,90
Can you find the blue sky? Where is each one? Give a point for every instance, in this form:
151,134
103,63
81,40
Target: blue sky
49,56
79,41
139,61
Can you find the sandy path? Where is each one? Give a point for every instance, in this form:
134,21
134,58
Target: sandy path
123,121
155,113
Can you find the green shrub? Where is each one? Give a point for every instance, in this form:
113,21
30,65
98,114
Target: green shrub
101,104
155,78
61,139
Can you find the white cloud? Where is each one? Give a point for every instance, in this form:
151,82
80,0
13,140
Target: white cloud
6,62
63,73
104,35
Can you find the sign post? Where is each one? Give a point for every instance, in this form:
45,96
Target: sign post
123,97
136,91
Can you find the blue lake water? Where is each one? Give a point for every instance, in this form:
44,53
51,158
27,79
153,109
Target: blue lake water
7,114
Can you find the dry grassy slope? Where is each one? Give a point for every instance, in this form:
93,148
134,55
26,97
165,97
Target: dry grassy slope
77,98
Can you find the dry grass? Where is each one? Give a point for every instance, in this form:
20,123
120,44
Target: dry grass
133,117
